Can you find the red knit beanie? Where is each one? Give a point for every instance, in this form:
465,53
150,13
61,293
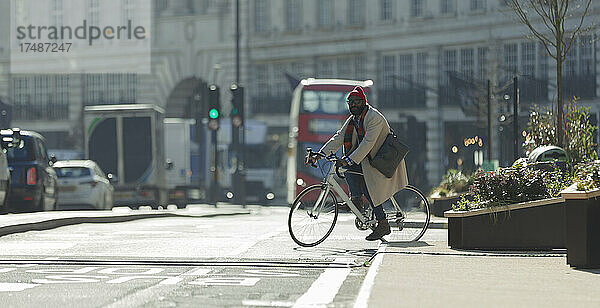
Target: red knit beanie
358,91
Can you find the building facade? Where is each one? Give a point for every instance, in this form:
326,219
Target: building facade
427,58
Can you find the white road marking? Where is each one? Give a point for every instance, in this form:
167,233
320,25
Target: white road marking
16,287
226,281
6,270
39,245
260,303
326,287
197,272
365,290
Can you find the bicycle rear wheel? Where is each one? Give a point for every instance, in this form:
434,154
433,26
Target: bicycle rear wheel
310,223
410,219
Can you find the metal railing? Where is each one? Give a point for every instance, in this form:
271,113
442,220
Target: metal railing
49,111
401,98
582,86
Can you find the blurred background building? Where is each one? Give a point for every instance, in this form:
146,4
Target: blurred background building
427,58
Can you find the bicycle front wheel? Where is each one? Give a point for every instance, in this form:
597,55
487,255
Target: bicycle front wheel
312,216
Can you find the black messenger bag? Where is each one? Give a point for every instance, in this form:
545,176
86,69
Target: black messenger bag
389,155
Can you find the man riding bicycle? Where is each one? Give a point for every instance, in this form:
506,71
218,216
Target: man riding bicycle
361,135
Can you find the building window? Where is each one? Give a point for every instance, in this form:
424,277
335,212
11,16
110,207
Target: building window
41,88
325,68
510,60
406,70
467,63
355,12
570,67
389,71
261,72
161,5
94,12
477,5
281,85
528,59
127,10
344,67
110,89
61,84
57,6
421,68
359,67
21,91
542,59
586,56
297,69
41,97
293,12
325,13
387,10
261,15
447,6
416,8
448,65
482,54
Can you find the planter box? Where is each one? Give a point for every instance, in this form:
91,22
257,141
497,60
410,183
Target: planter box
443,204
523,226
583,228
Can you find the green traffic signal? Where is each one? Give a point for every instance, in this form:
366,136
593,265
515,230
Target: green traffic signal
213,113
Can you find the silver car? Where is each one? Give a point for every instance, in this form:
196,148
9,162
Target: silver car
83,185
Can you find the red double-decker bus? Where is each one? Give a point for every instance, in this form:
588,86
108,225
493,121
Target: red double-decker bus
318,110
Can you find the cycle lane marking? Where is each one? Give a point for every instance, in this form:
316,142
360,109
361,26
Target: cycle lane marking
325,288
365,290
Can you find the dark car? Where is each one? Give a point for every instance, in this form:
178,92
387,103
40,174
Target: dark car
33,182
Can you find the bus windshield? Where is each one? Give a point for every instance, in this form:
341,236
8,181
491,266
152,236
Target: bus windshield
324,102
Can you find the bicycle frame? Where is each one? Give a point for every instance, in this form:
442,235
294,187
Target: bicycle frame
330,183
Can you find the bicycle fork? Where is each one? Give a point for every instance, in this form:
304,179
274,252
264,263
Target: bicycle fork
316,210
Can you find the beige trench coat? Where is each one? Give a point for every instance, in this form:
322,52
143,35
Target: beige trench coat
377,128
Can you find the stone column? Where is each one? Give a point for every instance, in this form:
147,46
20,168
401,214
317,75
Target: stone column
434,121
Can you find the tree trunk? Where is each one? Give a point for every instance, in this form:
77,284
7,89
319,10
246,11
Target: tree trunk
559,113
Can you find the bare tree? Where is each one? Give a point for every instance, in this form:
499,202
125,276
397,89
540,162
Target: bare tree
549,22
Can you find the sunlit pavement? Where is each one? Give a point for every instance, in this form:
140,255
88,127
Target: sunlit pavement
250,260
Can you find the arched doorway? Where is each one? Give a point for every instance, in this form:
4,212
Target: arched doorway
186,98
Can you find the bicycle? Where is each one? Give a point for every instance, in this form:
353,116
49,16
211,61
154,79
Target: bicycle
314,212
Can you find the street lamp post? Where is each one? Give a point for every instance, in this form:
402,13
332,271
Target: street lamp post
516,116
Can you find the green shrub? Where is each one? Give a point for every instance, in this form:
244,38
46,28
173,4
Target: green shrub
519,183
587,175
578,130
454,182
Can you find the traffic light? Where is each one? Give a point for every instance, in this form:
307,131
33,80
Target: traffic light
214,107
237,101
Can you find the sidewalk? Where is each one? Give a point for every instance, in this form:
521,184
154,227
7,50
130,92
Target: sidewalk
430,274
15,223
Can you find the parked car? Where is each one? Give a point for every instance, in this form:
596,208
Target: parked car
33,180
83,185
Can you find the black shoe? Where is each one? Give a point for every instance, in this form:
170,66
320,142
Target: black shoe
382,229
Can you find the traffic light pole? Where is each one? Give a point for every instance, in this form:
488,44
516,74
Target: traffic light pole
214,169
239,135
214,112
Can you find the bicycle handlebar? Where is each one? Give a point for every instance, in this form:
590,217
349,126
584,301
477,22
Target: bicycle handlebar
331,157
